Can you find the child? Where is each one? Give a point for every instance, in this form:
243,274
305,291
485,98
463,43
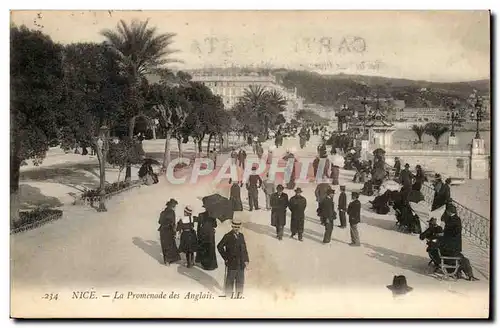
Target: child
354,212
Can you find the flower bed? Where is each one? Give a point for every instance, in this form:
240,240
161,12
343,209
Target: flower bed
33,219
92,196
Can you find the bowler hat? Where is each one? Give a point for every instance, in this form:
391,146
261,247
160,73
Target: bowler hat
399,285
280,187
172,202
298,190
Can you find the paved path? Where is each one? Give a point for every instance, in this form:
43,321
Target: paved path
118,251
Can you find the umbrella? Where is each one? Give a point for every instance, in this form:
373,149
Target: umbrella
336,160
391,185
151,161
218,207
415,196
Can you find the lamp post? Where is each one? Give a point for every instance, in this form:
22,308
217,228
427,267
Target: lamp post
477,115
102,149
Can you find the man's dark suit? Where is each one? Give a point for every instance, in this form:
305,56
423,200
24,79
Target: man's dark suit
233,250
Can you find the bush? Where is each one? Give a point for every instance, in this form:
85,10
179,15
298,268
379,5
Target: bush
116,186
29,219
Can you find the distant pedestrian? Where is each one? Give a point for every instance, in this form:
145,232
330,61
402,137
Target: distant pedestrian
269,188
297,206
279,203
342,207
233,250
328,215
253,185
354,212
235,195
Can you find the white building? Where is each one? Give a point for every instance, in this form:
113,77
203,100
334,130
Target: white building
231,87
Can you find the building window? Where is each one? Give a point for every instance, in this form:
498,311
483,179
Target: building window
460,163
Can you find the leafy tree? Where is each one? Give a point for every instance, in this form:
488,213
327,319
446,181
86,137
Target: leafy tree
436,130
172,110
140,50
35,90
419,131
125,152
308,116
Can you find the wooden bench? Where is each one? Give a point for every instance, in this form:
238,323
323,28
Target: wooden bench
445,266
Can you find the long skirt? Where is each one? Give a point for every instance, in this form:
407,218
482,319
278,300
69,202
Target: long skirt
189,242
207,255
168,246
335,175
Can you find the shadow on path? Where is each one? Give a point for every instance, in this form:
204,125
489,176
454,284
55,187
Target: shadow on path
201,277
415,263
32,197
150,247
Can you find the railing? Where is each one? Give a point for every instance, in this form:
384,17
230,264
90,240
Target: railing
475,227
410,145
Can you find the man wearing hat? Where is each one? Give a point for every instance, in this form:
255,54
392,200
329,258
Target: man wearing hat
279,203
269,188
354,212
297,206
233,249
431,235
253,185
342,207
441,195
327,214
167,233
397,167
450,244
406,177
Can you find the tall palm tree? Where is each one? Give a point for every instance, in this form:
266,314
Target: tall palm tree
277,104
255,101
436,130
140,50
419,131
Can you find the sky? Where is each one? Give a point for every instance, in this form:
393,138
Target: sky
441,46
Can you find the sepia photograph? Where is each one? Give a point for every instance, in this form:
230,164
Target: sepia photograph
250,164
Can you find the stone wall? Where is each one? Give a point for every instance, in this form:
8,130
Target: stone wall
455,164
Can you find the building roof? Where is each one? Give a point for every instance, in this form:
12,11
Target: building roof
378,120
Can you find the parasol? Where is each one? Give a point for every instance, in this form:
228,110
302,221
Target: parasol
390,185
151,161
336,160
218,207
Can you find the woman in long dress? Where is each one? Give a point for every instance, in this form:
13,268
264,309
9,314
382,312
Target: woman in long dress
189,240
419,179
206,242
167,233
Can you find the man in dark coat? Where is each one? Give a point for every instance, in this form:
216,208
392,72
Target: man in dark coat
342,207
406,177
354,212
253,185
297,206
322,150
242,158
432,235
450,244
233,249
442,194
279,203
235,196
167,233
397,167
327,215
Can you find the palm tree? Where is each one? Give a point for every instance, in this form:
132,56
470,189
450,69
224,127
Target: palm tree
255,101
419,131
436,130
277,104
140,50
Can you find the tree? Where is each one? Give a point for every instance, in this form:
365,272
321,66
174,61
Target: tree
419,131
35,90
92,101
436,130
140,50
309,116
172,110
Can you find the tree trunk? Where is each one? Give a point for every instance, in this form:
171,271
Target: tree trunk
200,141
195,141
102,179
209,142
179,145
154,132
15,166
166,154
131,126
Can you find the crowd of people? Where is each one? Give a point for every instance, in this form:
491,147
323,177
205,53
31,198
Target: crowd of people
200,240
